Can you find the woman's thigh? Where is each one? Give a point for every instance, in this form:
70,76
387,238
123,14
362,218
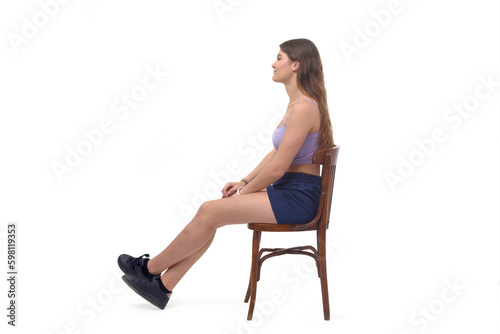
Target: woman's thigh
248,208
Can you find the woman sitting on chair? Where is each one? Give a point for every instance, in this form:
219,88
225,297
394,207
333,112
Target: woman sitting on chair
283,189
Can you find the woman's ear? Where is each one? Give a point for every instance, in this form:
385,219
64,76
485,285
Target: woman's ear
295,67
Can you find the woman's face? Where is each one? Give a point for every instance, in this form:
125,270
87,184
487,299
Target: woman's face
283,68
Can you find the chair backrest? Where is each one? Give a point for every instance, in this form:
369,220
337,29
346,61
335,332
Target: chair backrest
328,159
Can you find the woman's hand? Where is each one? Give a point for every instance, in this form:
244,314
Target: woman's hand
230,188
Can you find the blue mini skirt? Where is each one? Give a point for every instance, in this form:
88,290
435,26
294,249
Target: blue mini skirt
295,198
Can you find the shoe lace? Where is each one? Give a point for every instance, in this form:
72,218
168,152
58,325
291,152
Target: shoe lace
133,260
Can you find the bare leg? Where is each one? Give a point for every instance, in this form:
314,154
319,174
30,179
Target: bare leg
243,209
174,274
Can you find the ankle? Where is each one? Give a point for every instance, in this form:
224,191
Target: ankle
166,285
150,268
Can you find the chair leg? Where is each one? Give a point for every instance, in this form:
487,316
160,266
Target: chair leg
247,296
254,272
322,272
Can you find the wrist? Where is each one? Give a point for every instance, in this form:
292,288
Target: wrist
238,192
245,181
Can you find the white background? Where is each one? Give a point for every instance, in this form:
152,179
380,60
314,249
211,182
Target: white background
392,251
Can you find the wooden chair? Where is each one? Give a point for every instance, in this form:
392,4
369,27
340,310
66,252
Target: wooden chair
328,159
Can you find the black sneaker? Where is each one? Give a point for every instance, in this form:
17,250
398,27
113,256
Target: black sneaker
149,289
133,265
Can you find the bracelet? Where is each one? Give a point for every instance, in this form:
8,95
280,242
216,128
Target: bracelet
238,191
244,181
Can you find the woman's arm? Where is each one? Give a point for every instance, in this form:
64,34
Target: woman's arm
268,158
276,162
299,123
231,187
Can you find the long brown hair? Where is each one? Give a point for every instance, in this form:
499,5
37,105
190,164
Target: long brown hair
310,81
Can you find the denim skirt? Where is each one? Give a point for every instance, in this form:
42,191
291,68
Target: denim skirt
295,198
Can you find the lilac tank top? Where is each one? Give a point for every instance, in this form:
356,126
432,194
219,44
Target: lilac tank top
310,145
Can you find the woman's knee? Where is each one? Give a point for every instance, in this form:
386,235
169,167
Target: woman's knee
205,213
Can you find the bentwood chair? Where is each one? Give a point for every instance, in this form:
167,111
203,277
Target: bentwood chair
328,159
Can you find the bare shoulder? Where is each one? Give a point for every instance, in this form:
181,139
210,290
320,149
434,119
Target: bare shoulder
305,112
306,105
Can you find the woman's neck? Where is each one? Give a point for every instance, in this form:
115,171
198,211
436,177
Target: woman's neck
292,90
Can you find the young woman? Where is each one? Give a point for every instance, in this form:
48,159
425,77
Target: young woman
283,189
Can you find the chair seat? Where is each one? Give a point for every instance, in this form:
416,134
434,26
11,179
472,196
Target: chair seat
282,227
